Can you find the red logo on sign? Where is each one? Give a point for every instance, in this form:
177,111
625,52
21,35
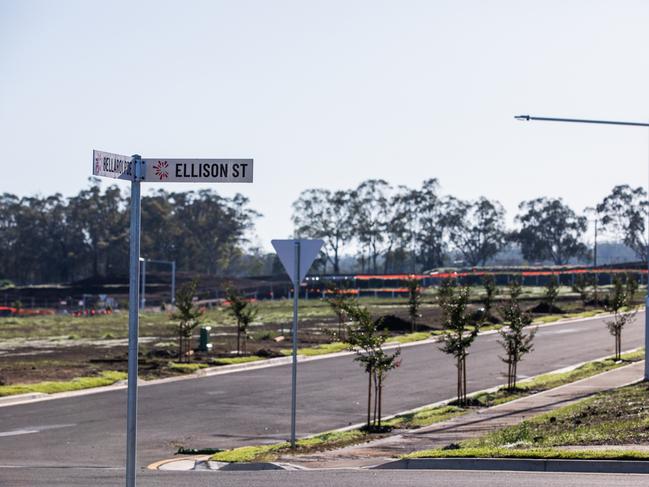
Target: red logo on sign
161,169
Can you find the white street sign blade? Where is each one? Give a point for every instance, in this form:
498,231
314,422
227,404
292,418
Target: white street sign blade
109,165
309,250
197,170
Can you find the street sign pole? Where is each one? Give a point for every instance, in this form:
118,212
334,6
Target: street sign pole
133,322
296,256
296,295
162,170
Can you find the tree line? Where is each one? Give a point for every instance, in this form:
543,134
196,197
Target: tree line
56,238
402,229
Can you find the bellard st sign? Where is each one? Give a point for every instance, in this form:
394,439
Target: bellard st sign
154,170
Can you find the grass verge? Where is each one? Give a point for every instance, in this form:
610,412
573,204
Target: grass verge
50,387
617,417
333,439
549,381
235,360
185,368
534,453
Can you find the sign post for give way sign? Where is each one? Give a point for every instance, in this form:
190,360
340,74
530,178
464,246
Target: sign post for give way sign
154,170
296,256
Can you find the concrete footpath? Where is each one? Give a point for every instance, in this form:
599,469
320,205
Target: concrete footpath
467,426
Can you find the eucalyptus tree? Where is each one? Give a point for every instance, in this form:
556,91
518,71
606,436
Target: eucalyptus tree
370,210
320,213
623,214
475,228
102,219
550,230
430,236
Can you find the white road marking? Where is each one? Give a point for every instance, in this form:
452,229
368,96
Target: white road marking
34,429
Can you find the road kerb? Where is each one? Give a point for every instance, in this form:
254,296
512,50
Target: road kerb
519,465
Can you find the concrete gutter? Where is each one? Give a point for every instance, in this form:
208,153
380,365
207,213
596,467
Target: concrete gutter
519,465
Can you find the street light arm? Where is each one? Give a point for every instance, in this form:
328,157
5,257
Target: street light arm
527,118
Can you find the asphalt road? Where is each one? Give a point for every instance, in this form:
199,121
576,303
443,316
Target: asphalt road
250,407
320,478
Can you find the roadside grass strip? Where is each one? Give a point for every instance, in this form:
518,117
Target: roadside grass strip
186,368
533,453
424,417
106,378
266,453
235,360
617,417
428,416
555,379
323,349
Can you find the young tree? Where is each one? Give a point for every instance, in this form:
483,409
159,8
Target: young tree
582,286
618,301
476,228
365,338
550,230
445,291
631,284
414,301
459,334
551,292
189,316
491,290
624,213
516,341
338,303
243,311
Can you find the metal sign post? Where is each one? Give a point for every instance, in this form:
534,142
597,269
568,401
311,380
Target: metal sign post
116,166
296,256
296,295
133,322
143,280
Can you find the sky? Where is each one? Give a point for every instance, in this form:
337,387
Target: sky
326,94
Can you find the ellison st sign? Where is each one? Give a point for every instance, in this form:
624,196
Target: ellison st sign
198,170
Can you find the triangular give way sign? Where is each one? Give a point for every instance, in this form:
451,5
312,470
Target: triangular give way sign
287,253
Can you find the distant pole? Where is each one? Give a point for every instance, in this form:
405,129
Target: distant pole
143,292
296,287
173,282
133,323
609,122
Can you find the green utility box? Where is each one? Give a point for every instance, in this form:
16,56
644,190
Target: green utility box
204,344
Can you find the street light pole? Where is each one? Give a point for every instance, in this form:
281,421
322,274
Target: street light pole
172,263
528,118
